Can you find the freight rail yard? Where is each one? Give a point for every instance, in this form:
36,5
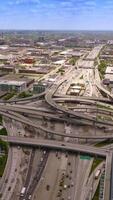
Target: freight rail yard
60,141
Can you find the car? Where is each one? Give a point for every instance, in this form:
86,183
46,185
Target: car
72,184
44,152
65,186
56,153
41,159
47,187
63,145
29,196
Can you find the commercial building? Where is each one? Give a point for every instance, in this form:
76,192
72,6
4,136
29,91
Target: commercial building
10,86
13,82
108,78
109,70
39,87
7,68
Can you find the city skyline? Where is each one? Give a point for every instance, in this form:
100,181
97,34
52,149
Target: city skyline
56,15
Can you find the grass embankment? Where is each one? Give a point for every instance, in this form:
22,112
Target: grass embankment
73,60
3,131
96,196
9,96
3,158
25,94
4,149
0,119
96,162
108,107
104,143
103,118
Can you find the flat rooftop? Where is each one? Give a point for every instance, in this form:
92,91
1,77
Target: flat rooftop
16,83
109,70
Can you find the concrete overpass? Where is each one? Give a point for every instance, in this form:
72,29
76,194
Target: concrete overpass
85,119
53,144
105,100
16,116
25,120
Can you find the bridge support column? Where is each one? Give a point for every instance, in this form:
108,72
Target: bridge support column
46,135
62,138
86,140
44,121
51,136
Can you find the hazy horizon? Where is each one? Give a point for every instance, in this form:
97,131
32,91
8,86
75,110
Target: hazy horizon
60,30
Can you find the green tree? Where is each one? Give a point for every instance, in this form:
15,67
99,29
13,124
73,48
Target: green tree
102,68
73,61
24,94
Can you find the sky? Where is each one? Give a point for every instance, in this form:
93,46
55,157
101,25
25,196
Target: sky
56,14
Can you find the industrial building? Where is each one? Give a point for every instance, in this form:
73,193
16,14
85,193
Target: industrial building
34,70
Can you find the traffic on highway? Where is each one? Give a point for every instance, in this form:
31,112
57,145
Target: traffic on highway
56,140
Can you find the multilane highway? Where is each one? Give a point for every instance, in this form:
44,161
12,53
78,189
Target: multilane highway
62,114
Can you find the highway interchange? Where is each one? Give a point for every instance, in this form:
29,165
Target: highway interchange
49,141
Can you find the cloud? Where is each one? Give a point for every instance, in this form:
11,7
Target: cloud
20,2
66,3
90,3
